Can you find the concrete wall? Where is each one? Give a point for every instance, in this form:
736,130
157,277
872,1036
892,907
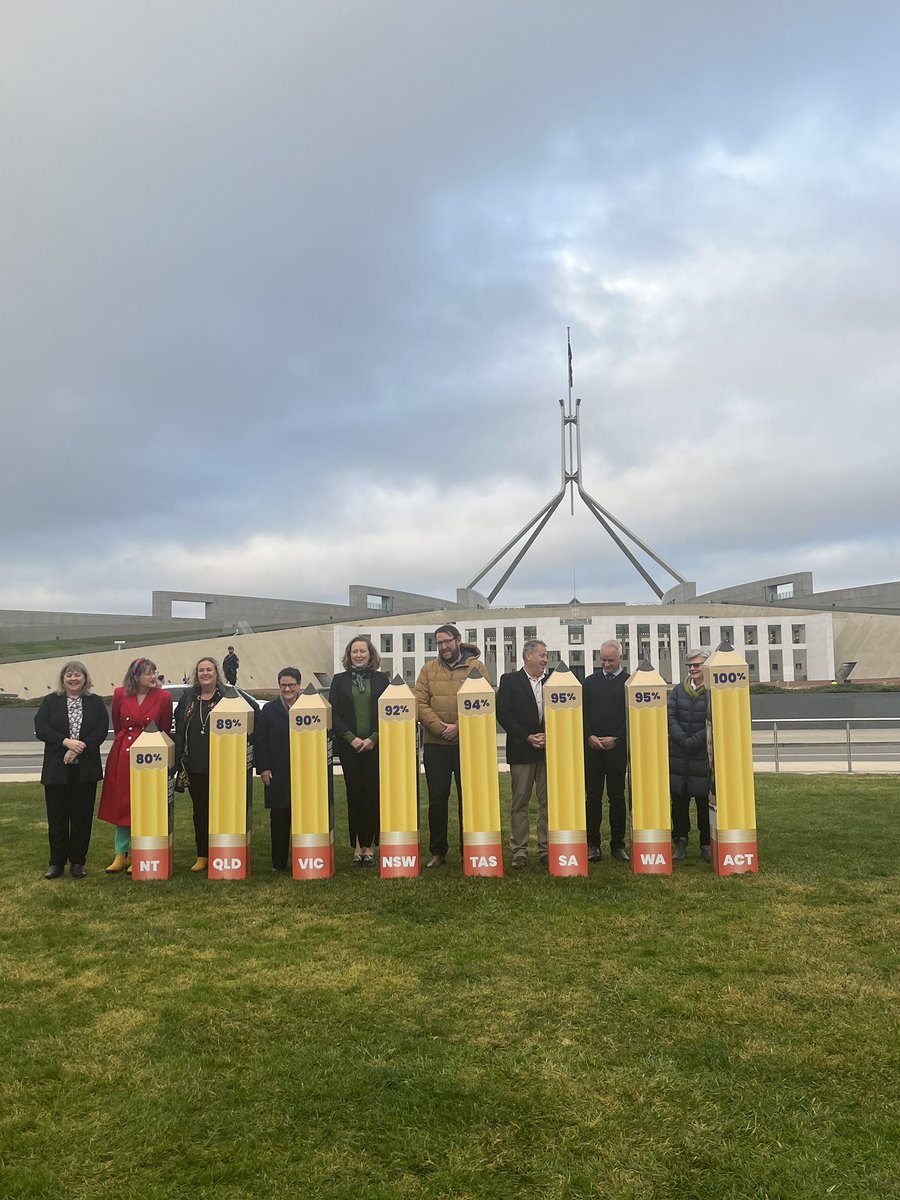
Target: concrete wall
21,625
759,591
262,655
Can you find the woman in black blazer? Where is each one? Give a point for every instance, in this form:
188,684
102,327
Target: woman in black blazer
354,704
72,724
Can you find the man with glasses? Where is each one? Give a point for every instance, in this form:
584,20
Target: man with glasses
272,754
436,690
605,753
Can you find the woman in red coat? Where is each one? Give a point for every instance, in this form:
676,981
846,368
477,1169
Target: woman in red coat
136,704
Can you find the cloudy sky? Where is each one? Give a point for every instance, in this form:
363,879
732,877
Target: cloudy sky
286,289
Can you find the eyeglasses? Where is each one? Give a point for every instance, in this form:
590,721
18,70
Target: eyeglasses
446,641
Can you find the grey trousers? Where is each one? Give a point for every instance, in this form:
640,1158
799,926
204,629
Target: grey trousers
527,777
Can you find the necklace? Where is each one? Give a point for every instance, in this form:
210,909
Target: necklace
203,724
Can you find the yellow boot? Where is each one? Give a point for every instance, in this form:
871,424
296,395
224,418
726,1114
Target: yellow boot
200,865
118,864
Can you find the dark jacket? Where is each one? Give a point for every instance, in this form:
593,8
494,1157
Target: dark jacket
688,761
604,707
343,717
272,752
436,690
517,713
181,712
51,725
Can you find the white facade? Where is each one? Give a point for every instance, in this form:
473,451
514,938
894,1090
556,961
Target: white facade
779,646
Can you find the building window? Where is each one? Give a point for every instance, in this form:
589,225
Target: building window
704,636
576,635
430,643
798,634
529,633
576,658
471,636
749,635
387,643
409,643
726,634
774,635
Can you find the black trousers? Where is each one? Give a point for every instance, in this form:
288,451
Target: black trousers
280,825
70,814
198,786
362,786
441,768
605,768
681,816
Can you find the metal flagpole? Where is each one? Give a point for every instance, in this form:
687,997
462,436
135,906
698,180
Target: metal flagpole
570,477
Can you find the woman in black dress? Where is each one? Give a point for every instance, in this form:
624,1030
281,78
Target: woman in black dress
354,704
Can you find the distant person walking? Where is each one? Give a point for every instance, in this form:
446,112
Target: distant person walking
230,664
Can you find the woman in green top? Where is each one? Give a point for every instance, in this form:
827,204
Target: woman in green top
354,703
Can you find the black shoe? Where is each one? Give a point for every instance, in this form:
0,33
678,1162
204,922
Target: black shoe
545,860
53,871
437,860
368,860
619,852
78,871
356,860
519,862
594,853
706,853
679,851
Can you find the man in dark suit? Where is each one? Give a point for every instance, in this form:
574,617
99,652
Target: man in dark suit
230,664
520,711
605,752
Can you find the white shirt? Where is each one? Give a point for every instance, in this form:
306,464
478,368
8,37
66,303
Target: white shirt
537,686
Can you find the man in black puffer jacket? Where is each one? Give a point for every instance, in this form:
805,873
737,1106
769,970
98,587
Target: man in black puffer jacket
688,758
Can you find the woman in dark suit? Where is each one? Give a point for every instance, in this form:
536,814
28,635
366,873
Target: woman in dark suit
354,704
272,757
192,746
72,724
192,717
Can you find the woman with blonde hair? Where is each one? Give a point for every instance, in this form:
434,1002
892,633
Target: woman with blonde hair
192,717
72,723
138,703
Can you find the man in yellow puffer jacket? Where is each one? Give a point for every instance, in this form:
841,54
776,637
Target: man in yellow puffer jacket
436,689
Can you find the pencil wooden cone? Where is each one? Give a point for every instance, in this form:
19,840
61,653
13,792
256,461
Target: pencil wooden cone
230,724
482,843
648,750
732,797
563,720
312,827
398,779
152,756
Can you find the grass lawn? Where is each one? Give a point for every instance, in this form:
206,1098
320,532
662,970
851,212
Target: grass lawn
447,1037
